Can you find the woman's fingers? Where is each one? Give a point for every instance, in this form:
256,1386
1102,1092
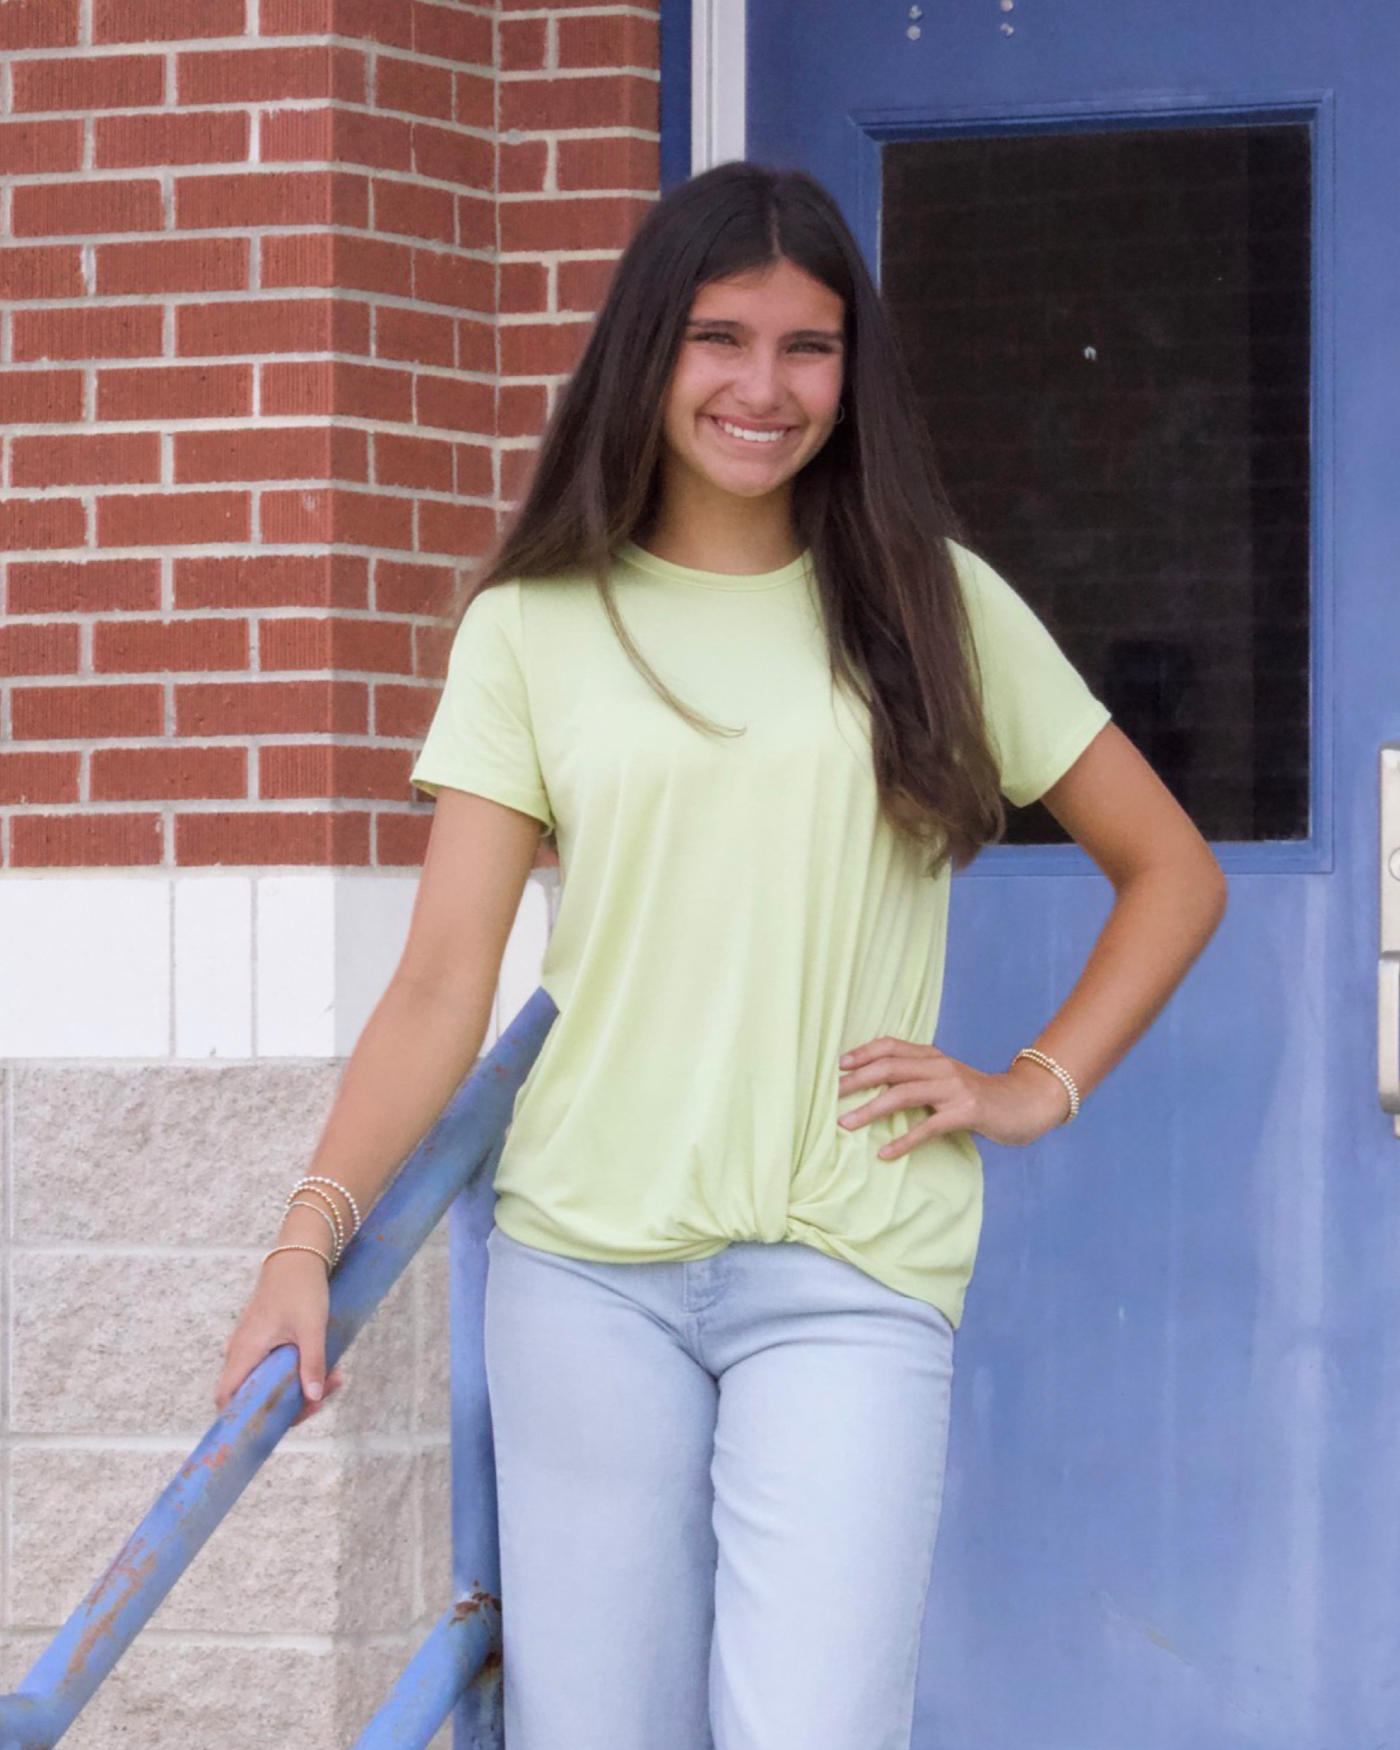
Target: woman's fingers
920,1064
334,1380
1000,1107
899,1097
311,1357
861,1055
939,1124
910,1076
890,1067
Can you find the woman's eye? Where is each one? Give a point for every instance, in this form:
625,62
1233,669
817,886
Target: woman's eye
725,339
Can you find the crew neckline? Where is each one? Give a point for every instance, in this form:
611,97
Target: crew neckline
642,560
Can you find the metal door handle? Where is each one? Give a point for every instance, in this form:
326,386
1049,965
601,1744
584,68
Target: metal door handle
1388,991
1388,1035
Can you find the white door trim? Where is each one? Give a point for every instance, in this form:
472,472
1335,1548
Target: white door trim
718,75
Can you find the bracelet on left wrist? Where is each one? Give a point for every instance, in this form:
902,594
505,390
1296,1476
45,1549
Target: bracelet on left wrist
1058,1070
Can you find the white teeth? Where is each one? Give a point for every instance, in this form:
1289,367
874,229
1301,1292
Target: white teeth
751,437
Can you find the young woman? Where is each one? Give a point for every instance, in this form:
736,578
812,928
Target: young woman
731,655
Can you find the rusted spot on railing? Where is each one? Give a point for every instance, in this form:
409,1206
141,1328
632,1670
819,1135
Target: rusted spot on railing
488,1673
466,1607
215,1459
134,1574
218,1456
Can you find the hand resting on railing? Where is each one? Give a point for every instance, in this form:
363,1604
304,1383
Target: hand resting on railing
288,1305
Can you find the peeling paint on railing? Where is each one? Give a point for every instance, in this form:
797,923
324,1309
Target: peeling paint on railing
465,1644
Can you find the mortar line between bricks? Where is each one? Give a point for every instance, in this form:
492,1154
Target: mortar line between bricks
76,874
291,483
318,739
323,294
598,11
210,46
204,615
259,106
387,1443
241,805
227,550
150,361
272,1642
283,106
171,231
304,295
241,171
197,488
172,1441
350,107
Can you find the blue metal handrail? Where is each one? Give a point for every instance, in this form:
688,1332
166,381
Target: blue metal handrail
450,1159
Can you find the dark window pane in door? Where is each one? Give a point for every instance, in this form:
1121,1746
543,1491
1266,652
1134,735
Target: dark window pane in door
1110,336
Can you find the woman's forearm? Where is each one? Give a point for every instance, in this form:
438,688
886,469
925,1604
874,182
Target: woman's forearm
1161,919
411,1057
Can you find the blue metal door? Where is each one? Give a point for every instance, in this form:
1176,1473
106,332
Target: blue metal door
1173,1516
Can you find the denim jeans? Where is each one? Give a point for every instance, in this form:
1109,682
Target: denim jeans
719,1485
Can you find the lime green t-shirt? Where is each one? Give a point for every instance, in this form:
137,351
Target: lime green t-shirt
734,913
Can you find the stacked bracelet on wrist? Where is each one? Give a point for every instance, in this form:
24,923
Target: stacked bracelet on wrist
1067,1081
331,1214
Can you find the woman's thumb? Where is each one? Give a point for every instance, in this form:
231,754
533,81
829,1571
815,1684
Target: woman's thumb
313,1369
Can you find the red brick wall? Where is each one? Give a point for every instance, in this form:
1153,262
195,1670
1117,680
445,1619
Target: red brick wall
279,320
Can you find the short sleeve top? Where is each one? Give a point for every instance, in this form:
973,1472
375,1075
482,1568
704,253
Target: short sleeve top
735,912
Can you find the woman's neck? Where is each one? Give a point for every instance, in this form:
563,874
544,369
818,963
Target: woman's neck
735,537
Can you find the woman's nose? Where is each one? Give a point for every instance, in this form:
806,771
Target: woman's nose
760,383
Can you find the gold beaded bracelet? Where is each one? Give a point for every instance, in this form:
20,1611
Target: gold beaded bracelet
314,1179
1067,1081
334,1216
337,1244
300,1248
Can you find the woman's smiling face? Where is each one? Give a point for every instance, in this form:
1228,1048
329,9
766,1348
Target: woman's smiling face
757,382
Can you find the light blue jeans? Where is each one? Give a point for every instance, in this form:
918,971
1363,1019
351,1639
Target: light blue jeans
719,1486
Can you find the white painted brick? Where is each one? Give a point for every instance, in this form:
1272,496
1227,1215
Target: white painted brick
84,967
295,975
214,967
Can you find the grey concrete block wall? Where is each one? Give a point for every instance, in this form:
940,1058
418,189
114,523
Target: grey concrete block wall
135,1204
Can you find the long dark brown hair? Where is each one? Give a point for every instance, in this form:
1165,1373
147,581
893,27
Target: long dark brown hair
869,504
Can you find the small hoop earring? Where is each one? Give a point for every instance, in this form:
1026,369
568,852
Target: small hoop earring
840,412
